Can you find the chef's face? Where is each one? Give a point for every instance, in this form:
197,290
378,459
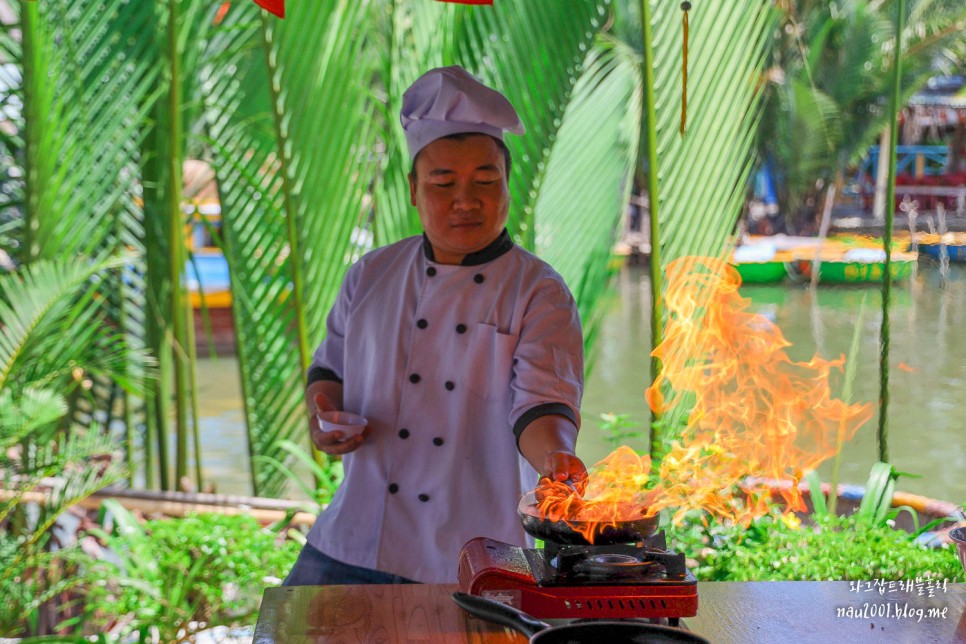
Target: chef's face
459,189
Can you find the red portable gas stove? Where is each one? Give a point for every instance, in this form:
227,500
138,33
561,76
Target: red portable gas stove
627,572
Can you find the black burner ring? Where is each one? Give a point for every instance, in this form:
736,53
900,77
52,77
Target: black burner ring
614,565
612,559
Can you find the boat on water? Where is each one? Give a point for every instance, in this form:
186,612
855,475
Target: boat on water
932,245
770,271
846,259
856,265
208,282
767,260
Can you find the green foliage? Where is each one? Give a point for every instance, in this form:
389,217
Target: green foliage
834,548
877,501
75,101
52,331
829,66
820,508
327,475
51,323
779,547
619,428
205,568
71,468
588,179
702,176
30,582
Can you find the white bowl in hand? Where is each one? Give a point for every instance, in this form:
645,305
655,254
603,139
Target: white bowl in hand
342,421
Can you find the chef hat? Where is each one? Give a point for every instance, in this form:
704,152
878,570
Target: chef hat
448,100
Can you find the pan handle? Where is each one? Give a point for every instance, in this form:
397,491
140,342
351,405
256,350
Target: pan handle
493,611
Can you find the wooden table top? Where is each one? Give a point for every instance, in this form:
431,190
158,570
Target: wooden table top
728,612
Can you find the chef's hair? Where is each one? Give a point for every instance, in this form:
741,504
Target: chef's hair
459,136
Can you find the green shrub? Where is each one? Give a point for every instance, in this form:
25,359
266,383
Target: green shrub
204,568
241,557
834,548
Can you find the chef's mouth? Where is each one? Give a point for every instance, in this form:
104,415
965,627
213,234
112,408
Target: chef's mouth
467,224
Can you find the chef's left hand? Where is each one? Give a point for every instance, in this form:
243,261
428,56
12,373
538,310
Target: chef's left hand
562,466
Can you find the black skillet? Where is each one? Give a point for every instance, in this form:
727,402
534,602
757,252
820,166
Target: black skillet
566,532
590,631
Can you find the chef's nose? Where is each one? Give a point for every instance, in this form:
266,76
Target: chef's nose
466,197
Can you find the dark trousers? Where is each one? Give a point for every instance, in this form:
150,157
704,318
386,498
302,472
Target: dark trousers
315,568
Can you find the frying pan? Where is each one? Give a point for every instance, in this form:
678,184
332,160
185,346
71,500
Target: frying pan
590,631
563,532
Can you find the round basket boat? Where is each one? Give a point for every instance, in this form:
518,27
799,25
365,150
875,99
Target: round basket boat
761,272
955,253
840,271
849,497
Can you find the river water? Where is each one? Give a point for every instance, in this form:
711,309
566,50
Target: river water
927,406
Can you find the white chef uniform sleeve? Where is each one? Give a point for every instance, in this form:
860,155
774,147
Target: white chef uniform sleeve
328,361
548,364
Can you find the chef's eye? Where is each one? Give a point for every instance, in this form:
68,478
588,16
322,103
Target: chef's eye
447,184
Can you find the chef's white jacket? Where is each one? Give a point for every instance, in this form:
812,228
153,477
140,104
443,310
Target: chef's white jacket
448,364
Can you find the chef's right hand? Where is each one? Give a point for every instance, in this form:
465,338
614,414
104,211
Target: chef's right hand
331,442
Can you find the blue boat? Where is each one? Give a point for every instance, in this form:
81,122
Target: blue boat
932,245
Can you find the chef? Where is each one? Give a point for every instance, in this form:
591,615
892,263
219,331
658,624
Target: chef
461,349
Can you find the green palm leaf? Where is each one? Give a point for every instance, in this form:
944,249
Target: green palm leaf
78,82
293,187
85,93
589,174
702,175
533,51
36,307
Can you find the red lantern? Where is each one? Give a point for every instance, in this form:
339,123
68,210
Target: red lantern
274,6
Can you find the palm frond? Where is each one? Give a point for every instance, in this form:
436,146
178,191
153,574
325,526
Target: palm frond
80,89
533,51
703,175
589,174
293,185
33,304
86,92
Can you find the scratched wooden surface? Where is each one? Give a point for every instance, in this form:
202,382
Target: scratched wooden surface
807,611
728,613
371,614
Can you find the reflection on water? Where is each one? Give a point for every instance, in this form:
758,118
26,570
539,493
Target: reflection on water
224,442
927,376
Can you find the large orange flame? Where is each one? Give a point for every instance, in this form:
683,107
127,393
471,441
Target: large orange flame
751,412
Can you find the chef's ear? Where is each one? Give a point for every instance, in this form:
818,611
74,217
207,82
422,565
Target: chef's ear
412,187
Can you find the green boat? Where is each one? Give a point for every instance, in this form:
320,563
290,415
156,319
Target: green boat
761,272
842,272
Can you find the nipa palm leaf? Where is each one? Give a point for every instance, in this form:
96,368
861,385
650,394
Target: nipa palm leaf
589,174
533,52
703,175
34,303
293,182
